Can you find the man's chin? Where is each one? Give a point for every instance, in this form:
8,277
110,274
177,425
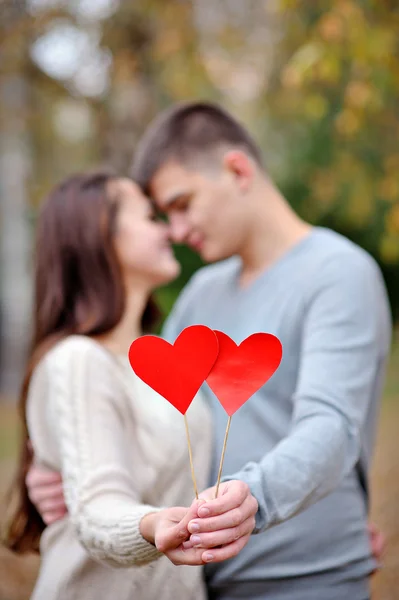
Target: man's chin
210,256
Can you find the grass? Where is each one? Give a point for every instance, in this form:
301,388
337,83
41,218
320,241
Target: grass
385,479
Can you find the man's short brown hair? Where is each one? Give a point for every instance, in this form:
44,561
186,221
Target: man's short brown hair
191,134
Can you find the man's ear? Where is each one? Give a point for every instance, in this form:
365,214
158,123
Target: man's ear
240,165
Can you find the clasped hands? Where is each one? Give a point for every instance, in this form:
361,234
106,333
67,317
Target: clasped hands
210,530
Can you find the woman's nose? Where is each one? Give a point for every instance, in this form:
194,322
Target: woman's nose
179,228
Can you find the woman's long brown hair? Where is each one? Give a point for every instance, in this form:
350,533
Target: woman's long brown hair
78,290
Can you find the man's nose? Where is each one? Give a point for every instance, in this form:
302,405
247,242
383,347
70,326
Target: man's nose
179,228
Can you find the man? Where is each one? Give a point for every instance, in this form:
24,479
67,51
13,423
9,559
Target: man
303,443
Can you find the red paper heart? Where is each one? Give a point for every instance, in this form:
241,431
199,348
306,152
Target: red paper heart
241,370
175,371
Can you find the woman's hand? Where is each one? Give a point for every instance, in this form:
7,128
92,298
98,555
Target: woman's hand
167,528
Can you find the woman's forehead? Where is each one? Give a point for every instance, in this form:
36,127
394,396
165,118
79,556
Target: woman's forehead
126,190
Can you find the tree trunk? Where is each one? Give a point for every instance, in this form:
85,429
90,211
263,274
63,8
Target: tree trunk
15,237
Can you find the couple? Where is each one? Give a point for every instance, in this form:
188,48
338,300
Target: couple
292,513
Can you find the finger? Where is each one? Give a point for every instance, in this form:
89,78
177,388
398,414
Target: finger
40,494
220,554
173,536
37,477
223,537
378,545
191,514
191,557
232,518
53,516
52,505
232,496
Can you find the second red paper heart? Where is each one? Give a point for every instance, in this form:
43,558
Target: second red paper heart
241,370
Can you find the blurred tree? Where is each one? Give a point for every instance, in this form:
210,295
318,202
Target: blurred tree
316,82
334,101
334,104
15,232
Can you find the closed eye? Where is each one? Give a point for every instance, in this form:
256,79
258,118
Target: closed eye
179,203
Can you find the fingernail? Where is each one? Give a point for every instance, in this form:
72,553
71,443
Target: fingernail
187,545
203,512
193,527
195,539
208,557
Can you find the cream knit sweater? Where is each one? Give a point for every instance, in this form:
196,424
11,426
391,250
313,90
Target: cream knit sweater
122,452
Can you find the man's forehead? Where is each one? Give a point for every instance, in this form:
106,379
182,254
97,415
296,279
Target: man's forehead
170,183
171,170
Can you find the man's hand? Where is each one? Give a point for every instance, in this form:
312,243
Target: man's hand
377,541
169,536
46,493
226,521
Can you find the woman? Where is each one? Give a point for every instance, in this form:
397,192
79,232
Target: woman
120,447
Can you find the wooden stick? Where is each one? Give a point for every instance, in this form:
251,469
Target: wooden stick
222,458
191,457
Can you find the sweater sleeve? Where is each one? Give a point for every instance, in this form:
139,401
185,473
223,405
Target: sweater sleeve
87,418
345,344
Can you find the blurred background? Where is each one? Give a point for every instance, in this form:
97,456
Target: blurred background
317,83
